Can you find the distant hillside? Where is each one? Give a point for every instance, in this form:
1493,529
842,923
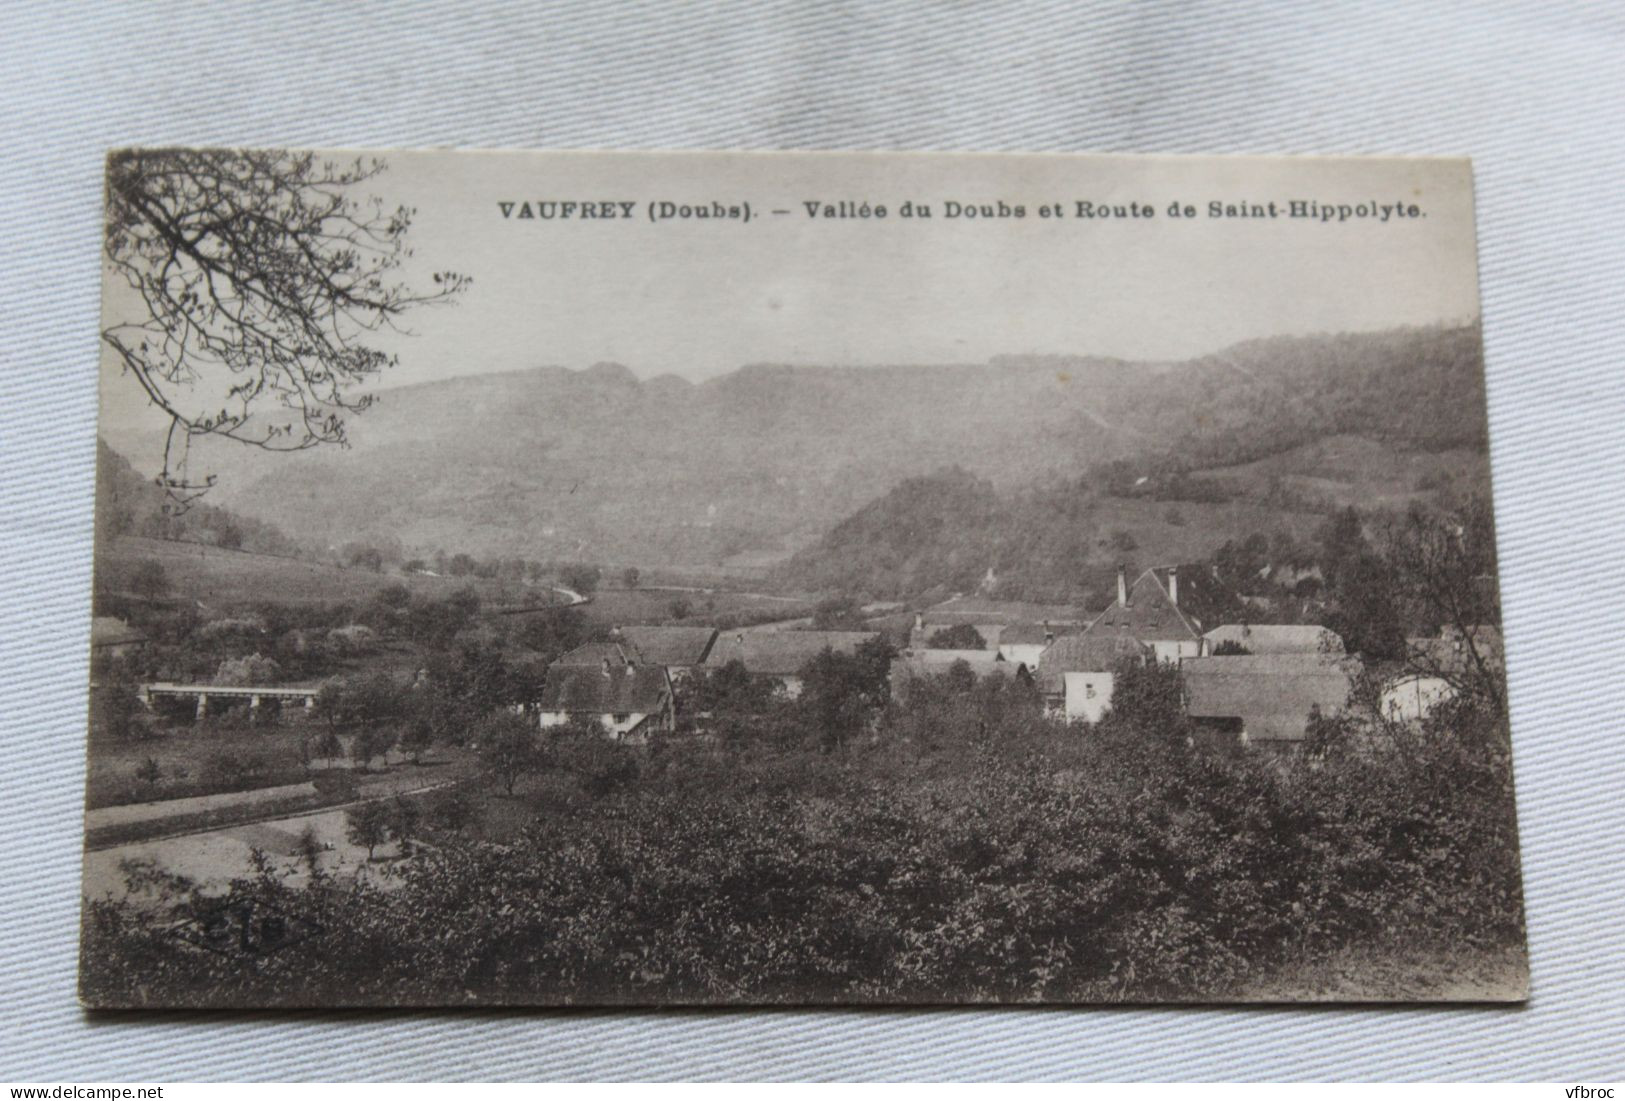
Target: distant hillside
128,503
755,465
1372,422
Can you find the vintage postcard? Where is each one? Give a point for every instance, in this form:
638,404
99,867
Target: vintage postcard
779,578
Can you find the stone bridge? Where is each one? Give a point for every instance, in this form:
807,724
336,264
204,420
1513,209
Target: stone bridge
203,693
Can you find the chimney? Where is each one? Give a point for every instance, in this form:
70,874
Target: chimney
1173,585
1122,586
1049,633
919,621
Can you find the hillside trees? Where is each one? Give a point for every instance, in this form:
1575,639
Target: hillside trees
1360,584
254,283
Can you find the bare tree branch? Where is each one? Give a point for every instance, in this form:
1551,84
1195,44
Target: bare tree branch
261,275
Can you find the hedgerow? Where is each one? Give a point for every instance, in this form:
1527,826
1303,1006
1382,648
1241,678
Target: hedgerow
1003,858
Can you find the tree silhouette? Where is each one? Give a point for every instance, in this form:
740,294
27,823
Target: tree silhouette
259,278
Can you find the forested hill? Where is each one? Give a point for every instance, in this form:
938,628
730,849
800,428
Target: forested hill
750,467
1263,441
127,503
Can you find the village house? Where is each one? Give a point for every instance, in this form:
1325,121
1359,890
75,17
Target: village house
1149,613
629,700
780,655
1274,638
1025,643
680,649
1077,672
1265,700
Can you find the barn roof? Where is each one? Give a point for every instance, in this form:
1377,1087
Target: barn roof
1150,614
594,654
1277,638
620,689
1270,693
670,645
976,609
781,653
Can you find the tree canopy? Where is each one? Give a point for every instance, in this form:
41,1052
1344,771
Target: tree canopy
261,278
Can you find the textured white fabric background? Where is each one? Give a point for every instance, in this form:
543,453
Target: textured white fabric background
1533,91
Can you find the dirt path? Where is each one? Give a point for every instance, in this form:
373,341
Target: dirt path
127,813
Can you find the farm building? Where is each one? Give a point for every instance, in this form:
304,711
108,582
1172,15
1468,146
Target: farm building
1149,613
1266,699
1275,638
679,649
1025,643
781,655
991,618
1077,671
630,701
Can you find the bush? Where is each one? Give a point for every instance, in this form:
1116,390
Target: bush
972,851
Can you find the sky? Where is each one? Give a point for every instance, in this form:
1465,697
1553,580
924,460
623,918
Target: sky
699,297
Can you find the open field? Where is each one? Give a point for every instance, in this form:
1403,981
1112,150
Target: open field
1356,470
618,607
220,578
221,754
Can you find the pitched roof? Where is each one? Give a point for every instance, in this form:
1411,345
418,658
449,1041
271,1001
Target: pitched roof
1277,638
1085,654
780,653
621,689
976,609
1029,634
1150,614
106,630
670,645
594,654
1270,693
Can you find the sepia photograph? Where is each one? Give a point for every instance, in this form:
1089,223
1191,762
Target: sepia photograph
705,579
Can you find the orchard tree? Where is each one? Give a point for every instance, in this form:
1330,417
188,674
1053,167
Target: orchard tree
255,284
367,825
508,748
418,737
